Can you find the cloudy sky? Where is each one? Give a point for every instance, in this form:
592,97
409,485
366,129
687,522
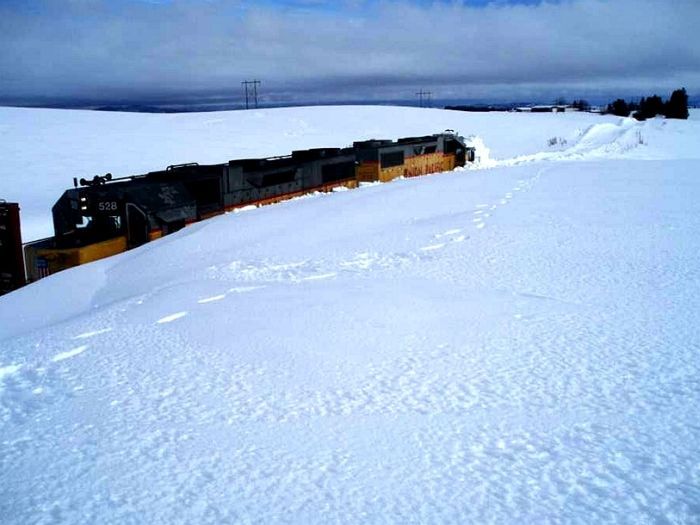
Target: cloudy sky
315,50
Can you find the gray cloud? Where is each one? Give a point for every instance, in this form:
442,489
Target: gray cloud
103,49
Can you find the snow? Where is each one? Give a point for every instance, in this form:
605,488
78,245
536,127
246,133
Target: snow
53,146
511,344
70,353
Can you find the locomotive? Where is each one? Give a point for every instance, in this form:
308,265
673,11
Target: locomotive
103,216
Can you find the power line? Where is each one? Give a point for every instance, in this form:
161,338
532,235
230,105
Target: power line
422,94
255,84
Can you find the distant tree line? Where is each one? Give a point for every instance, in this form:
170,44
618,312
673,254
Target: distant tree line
649,107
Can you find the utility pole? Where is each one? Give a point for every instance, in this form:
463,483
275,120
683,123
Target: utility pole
422,94
255,84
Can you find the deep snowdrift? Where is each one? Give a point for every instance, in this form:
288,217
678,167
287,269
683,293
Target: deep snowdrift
501,345
42,150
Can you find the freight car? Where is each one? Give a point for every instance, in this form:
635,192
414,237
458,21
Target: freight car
104,215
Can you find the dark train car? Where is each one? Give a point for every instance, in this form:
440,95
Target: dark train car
11,262
105,216
385,160
264,181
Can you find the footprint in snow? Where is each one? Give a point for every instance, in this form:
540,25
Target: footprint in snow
452,238
480,225
68,354
87,335
432,247
170,318
448,232
319,277
211,299
244,289
6,371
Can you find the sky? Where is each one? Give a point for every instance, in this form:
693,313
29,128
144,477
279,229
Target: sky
314,50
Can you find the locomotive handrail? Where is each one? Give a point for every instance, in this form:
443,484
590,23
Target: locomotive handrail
278,157
102,180
97,180
186,164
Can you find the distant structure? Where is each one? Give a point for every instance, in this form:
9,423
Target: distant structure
546,109
255,84
424,95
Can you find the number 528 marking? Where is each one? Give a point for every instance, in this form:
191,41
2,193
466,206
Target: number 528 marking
107,206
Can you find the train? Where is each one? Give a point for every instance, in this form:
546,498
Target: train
105,215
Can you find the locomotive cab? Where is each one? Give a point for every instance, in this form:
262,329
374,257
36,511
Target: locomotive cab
101,220
456,147
81,216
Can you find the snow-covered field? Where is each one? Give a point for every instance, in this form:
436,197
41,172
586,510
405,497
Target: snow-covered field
513,344
42,149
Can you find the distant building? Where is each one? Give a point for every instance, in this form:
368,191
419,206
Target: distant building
553,108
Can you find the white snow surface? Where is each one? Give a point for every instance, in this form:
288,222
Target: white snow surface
505,345
43,149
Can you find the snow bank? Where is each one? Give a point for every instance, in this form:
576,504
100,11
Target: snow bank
50,147
42,149
507,345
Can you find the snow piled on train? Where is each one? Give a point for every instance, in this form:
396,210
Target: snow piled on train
513,344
